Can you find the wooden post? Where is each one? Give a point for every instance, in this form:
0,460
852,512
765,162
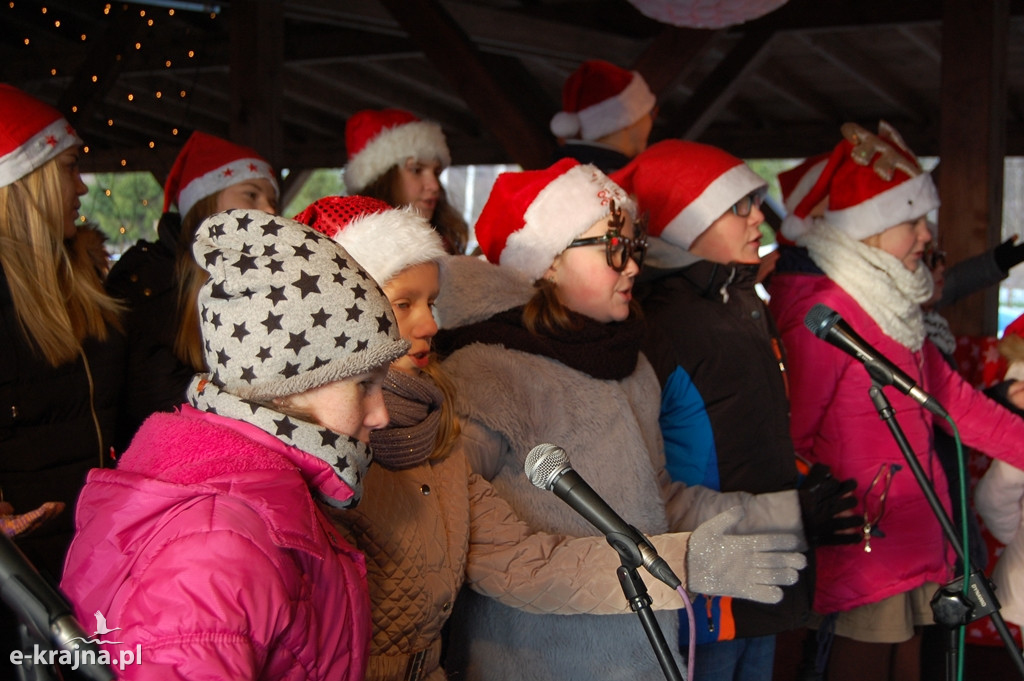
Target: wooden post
972,145
257,62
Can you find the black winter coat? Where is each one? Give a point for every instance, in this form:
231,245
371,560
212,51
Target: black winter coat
708,321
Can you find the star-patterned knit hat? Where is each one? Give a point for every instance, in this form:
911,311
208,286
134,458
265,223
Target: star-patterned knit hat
872,182
600,98
208,164
382,239
532,216
31,133
286,309
684,187
376,140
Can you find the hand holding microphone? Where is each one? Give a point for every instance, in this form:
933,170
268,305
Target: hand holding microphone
718,563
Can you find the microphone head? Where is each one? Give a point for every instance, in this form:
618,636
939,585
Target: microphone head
820,319
544,464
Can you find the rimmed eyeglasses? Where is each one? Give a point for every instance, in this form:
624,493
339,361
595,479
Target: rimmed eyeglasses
619,249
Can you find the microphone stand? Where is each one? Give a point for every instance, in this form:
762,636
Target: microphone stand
639,600
951,606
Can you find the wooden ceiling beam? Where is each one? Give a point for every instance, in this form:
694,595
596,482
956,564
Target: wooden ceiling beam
671,55
782,80
448,47
872,75
714,93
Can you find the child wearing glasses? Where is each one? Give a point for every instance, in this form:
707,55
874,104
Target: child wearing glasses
868,249
550,353
718,356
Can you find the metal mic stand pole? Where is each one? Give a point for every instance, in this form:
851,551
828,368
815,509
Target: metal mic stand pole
639,600
950,606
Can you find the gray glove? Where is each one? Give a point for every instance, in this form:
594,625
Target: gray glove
747,566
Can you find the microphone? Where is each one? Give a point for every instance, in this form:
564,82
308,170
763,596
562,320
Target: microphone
826,324
547,467
46,611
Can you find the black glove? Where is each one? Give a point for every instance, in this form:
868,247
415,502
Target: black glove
821,498
1008,254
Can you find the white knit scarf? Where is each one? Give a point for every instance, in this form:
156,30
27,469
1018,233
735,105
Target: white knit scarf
890,293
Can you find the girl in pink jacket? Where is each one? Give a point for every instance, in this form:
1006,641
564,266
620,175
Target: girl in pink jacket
206,553
867,252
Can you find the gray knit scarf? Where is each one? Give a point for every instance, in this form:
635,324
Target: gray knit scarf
414,412
347,456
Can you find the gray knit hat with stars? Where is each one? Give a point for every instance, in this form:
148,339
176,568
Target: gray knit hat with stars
286,309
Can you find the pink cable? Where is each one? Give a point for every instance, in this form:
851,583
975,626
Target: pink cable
693,631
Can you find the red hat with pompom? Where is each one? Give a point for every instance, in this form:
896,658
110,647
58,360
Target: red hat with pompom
376,140
600,98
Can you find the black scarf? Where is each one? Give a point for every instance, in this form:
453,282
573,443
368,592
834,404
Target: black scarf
603,351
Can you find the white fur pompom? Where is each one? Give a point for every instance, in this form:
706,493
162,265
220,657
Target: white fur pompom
565,124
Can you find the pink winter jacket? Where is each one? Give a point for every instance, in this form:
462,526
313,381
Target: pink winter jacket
206,549
834,421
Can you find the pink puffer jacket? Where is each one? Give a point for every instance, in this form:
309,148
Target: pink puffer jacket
834,421
207,550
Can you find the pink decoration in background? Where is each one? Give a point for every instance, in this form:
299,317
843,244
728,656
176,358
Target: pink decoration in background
706,13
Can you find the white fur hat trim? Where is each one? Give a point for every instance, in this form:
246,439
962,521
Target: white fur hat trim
386,243
568,206
906,201
418,139
717,197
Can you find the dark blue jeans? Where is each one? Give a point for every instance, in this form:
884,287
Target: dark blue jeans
742,659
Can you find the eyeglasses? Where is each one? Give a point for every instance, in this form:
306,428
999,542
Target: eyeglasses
933,257
882,480
619,249
743,207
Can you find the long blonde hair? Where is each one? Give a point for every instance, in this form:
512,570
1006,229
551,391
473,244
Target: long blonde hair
449,428
57,293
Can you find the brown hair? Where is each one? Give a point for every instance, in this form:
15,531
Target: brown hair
446,220
188,343
545,315
57,292
449,428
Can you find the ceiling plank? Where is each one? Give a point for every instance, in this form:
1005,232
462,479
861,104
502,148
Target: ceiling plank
448,47
871,74
720,85
671,54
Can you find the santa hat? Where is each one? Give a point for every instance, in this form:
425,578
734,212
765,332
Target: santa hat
532,216
872,182
795,184
683,187
31,133
208,164
377,140
384,240
600,98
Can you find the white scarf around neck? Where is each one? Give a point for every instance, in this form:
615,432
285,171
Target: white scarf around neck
890,293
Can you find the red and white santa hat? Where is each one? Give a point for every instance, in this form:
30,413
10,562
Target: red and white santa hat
600,98
796,184
872,182
683,187
532,216
31,133
382,239
377,140
208,164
